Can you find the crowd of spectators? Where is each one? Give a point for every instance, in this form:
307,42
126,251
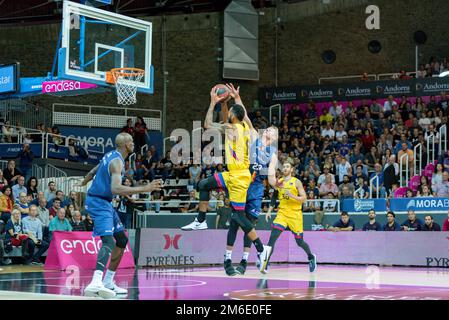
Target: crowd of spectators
412,223
28,217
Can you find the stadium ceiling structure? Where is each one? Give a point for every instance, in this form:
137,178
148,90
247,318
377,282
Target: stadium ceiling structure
47,11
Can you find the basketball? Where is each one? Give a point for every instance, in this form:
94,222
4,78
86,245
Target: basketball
222,90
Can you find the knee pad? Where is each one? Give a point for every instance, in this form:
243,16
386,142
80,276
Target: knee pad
108,242
242,221
121,240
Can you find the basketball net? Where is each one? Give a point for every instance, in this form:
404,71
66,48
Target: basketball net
126,81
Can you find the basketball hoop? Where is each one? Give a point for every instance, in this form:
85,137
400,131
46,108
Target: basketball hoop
126,81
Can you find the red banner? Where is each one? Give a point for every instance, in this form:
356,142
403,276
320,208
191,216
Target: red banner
79,249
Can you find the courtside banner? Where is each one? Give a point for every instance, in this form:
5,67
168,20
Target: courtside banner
364,205
173,247
419,204
78,249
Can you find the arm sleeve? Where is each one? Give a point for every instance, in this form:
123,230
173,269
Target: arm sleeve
39,234
69,225
25,225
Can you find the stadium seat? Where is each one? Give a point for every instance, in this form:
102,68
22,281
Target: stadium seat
401,192
414,183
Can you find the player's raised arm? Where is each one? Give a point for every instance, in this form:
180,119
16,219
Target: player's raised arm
115,168
235,94
272,171
208,122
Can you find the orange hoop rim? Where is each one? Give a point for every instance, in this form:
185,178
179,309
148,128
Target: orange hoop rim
117,72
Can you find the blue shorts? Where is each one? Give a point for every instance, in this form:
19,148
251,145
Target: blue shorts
104,215
254,199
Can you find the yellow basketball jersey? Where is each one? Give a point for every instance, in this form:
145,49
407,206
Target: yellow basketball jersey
288,206
237,150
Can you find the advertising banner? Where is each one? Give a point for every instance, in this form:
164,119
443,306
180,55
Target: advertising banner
11,150
352,91
68,249
419,204
8,78
364,205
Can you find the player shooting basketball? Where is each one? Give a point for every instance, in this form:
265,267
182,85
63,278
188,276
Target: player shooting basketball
236,181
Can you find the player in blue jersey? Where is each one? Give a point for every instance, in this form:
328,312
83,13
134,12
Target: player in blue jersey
107,182
263,155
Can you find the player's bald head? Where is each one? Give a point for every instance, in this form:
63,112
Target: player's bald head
122,139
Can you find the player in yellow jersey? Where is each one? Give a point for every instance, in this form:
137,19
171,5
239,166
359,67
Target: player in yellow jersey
236,180
291,197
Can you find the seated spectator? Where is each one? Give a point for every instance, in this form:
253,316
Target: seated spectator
430,225
442,188
50,193
147,169
44,216
6,203
344,148
192,205
69,212
88,223
425,192
362,190
60,196
312,171
3,181
15,236
223,219
19,188
346,183
437,176
391,174
313,188
327,131
77,223
32,226
412,223
322,177
345,223
11,173
346,194
194,175
328,187
336,109
340,133
391,224
72,199
166,166
325,117
32,186
22,205
8,132
343,168
359,174
377,178
372,224
54,208
406,151
388,106
59,223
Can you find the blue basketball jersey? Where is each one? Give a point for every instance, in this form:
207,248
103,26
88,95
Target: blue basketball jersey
260,160
101,185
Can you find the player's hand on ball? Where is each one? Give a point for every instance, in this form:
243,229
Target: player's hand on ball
155,185
233,92
214,96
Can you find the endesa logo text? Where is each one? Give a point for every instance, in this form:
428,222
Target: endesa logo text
91,246
65,85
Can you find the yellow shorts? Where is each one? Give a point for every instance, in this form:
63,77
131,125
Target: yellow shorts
294,224
236,184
